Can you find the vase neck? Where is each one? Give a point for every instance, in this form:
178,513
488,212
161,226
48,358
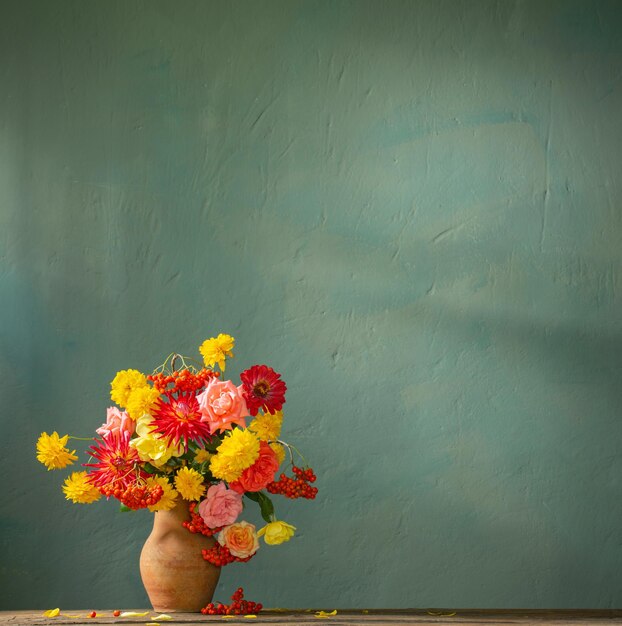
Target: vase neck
173,518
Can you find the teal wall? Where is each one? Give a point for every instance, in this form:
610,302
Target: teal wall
410,209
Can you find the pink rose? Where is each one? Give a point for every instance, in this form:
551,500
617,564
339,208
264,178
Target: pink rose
221,506
116,422
241,539
222,405
260,473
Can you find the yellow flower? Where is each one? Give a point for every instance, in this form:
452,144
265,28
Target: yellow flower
216,349
277,532
149,446
267,426
52,451
169,497
144,425
279,450
79,490
124,383
141,400
202,456
237,452
222,468
189,484
154,450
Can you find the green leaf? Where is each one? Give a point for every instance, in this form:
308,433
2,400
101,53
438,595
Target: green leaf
265,504
125,509
267,509
149,468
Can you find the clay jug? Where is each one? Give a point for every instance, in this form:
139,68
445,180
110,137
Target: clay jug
174,573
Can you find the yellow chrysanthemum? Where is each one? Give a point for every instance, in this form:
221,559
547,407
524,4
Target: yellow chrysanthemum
216,349
141,400
221,467
52,451
124,383
169,497
237,452
189,484
79,490
202,455
267,426
279,450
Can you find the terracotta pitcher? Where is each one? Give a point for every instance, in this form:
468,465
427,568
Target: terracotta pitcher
174,573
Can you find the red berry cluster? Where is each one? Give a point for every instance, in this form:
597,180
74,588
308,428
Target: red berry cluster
196,523
220,556
183,380
134,496
238,606
298,487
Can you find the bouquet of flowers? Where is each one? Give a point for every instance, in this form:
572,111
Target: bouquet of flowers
180,435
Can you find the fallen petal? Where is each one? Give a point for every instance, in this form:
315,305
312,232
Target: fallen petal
441,614
51,613
134,614
163,617
325,614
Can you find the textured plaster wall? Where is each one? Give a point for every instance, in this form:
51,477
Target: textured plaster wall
410,209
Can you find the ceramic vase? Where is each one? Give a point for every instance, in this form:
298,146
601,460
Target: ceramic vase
174,573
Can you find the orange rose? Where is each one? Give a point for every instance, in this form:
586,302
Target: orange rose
241,539
260,473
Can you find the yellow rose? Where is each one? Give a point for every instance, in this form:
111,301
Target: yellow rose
150,447
277,532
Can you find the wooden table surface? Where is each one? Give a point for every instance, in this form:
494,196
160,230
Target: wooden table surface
349,617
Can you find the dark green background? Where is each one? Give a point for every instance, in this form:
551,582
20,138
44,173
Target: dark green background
410,209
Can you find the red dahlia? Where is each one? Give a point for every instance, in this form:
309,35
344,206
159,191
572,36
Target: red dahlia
180,419
117,463
263,389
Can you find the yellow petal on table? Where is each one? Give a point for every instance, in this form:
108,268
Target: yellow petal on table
325,614
441,614
164,617
133,614
51,613
229,616
250,616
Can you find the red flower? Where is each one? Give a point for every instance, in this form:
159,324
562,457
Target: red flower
260,473
263,389
180,419
118,463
